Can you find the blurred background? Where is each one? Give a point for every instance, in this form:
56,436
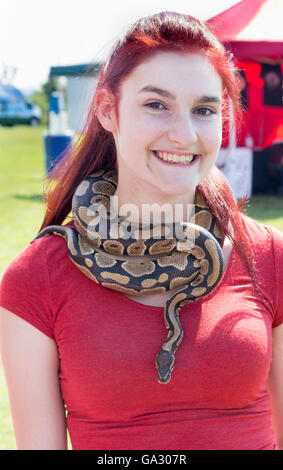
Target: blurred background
50,57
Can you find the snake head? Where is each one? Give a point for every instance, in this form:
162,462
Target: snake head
164,361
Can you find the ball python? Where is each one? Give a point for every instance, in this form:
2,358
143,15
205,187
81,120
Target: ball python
149,259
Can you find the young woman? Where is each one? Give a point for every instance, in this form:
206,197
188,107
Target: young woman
87,348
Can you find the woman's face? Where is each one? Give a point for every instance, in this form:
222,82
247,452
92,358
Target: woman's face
170,123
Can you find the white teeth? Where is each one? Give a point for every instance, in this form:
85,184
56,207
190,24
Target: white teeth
170,157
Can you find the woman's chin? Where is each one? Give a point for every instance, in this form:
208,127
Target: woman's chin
177,184
172,191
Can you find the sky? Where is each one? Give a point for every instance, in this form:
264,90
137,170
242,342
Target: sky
38,34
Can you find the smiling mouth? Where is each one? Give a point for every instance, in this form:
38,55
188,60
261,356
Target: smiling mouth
174,159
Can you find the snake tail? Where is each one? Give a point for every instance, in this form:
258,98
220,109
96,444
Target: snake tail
165,359
56,230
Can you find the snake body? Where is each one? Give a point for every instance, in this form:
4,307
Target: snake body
151,260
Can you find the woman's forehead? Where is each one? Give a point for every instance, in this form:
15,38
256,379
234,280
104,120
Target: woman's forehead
172,72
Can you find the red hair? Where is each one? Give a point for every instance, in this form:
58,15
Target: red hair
95,148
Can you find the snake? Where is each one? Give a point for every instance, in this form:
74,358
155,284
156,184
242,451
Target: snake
184,257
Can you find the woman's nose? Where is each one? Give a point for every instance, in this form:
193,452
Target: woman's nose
182,131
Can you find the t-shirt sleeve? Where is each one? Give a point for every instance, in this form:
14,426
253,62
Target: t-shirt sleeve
25,288
278,265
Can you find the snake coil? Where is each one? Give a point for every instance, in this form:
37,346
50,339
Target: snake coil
101,248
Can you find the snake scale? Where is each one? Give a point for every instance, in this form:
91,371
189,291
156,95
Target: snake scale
151,260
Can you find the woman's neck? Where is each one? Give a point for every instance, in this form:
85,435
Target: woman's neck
142,201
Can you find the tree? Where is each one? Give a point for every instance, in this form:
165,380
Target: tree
41,98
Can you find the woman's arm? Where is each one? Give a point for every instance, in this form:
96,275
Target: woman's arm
276,384
30,361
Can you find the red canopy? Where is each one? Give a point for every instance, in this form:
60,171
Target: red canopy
253,31
253,28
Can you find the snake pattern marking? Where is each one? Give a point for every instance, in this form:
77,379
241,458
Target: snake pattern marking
141,264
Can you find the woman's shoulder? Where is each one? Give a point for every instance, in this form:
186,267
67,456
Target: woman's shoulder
267,249
266,243
32,280
33,263
39,252
26,289
262,235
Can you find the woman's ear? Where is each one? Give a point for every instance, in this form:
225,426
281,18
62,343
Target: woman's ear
105,110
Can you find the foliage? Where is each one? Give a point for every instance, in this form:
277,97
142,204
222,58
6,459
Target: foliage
41,98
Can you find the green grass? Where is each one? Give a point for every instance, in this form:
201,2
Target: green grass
21,179
21,183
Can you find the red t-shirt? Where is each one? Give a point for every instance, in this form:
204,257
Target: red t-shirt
217,397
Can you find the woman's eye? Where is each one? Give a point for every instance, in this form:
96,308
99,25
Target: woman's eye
155,105
205,111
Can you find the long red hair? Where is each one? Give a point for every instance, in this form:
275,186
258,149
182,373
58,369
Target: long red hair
95,148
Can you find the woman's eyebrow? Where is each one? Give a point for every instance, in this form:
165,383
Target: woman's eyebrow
160,91
168,94
208,99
